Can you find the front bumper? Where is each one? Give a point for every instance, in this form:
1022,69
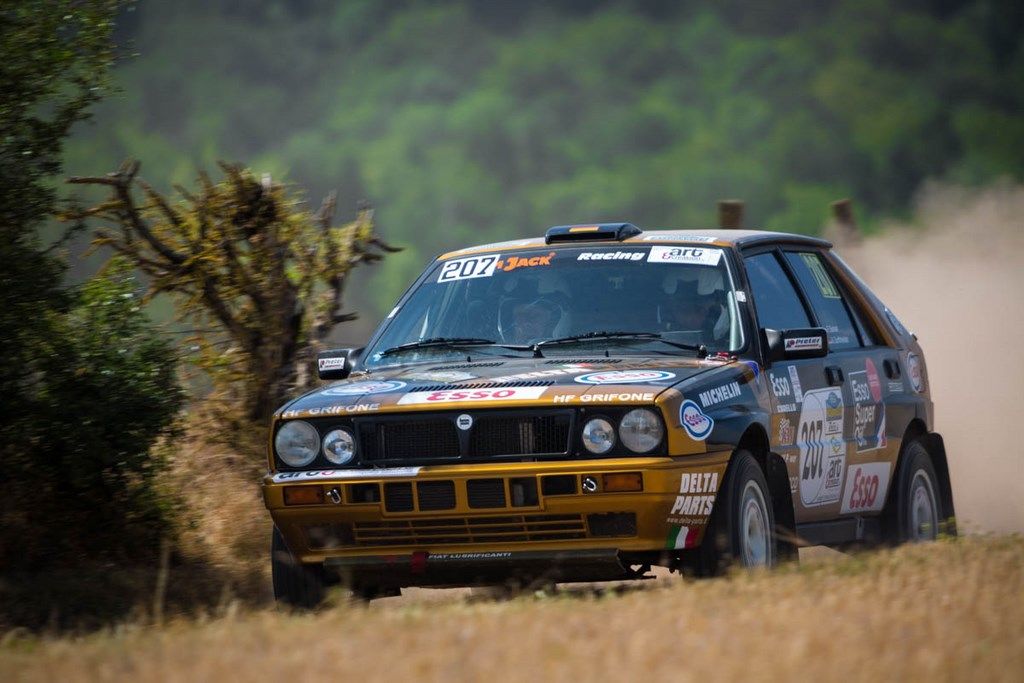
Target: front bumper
508,513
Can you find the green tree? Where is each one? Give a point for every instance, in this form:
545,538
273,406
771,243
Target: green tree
87,385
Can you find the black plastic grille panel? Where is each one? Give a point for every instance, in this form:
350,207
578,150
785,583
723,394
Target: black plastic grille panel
398,497
410,441
486,493
503,529
526,435
436,495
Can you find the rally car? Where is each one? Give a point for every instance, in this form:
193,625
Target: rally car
589,404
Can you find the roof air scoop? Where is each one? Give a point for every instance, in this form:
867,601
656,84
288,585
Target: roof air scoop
595,232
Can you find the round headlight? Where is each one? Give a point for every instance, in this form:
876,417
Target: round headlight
598,435
641,430
297,443
339,446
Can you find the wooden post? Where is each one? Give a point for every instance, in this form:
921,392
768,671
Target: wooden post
842,214
730,213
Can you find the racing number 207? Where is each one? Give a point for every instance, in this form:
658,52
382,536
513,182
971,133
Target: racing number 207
461,269
810,434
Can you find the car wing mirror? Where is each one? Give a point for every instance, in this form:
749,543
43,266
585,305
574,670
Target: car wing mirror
794,344
336,363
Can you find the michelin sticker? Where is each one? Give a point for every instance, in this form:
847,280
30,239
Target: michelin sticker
694,421
822,449
725,392
701,256
367,387
624,377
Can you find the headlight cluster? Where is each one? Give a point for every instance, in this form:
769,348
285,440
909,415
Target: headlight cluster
297,444
640,431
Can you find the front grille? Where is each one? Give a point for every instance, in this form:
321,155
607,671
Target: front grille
486,493
398,497
435,438
498,529
526,435
411,439
436,495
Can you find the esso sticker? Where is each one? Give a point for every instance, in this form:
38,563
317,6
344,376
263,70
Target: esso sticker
694,421
466,268
357,388
459,395
914,370
865,487
624,377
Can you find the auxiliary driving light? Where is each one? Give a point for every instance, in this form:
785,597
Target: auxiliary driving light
622,482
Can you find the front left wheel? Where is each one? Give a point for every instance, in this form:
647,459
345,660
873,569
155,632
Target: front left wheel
741,530
295,584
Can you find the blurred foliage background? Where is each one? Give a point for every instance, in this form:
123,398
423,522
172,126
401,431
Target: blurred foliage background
471,120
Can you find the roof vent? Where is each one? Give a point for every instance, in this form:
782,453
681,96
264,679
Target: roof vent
600,232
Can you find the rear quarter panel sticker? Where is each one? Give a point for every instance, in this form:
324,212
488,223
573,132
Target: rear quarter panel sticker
822,448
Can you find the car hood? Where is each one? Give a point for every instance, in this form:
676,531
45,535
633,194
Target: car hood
501,383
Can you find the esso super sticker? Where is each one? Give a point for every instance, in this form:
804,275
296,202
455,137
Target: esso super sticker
624,377
701,256
694,421
914,370
460,395
358,388
467,268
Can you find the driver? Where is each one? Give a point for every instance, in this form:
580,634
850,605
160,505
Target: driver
689,311
534,319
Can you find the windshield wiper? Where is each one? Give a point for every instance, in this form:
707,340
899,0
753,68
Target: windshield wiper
452,342
701,350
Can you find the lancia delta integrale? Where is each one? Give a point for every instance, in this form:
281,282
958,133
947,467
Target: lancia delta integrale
587,405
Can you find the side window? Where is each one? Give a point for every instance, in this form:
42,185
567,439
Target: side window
825,298
778,305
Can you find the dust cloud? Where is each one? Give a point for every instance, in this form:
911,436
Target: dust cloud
955,276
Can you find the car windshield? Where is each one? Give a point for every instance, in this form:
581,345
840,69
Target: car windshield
632,299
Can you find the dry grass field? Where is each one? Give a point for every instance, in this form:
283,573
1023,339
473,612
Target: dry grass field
953,610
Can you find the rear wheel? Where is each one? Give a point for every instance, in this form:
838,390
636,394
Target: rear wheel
917,503
295,584
740,532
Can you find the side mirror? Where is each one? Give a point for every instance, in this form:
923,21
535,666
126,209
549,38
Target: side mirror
805,342
336,363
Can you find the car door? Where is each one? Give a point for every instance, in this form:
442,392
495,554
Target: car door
860,455
793,384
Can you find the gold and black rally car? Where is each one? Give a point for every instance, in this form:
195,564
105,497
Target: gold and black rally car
585,405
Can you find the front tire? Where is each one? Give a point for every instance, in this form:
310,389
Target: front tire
741,530
297,585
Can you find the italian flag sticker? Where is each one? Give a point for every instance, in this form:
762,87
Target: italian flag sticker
680,537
